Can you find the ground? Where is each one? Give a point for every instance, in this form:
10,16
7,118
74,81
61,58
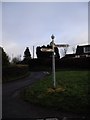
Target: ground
14,107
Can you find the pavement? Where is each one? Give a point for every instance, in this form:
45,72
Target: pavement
13,107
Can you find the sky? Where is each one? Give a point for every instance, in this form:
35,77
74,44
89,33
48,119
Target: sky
28,24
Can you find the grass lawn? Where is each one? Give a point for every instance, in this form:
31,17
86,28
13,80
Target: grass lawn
71,94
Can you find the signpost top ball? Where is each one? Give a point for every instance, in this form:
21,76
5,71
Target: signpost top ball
52,36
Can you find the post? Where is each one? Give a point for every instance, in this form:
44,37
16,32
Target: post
33,52
53,63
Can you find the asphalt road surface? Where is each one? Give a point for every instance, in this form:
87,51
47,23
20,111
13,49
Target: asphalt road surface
14,107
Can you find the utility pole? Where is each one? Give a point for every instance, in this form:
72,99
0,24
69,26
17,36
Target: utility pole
33,52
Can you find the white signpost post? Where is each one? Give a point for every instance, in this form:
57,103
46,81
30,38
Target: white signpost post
53,56
53,62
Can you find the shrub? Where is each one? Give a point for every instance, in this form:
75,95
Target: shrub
13,72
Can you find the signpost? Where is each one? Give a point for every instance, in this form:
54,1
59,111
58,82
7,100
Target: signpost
53,56
53,62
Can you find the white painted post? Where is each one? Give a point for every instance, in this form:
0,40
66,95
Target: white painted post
53,63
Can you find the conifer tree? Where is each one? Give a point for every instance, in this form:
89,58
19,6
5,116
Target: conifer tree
27,55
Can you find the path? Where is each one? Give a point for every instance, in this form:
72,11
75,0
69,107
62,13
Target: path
14,107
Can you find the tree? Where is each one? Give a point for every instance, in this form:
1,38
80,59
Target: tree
38,52
65,51
46,55
73,49
57,52
5,58
27,55
16,60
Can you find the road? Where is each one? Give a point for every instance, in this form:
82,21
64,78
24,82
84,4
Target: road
14,107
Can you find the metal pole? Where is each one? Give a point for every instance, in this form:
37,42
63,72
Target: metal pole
53,63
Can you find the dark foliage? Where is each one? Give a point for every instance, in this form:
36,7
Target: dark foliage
11,72
5,58
15,60
82,63
27,55
46,55
69,63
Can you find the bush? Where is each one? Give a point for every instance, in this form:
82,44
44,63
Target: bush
14,72
5,58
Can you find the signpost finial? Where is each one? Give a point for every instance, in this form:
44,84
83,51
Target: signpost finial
52,36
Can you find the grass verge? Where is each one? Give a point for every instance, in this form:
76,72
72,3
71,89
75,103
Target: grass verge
71,93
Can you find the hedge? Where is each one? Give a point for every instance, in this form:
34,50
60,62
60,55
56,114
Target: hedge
14,72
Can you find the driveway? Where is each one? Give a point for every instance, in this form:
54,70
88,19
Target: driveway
14,107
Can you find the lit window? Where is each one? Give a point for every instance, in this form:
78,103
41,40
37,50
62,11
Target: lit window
77,56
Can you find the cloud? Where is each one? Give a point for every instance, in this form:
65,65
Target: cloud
28,24
81,39
12,48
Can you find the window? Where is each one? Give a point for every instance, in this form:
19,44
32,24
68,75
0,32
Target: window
77,56
86,49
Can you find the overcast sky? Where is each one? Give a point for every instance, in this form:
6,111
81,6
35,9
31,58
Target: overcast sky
26,24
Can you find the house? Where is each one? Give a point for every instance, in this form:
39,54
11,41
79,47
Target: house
83,51
80,59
